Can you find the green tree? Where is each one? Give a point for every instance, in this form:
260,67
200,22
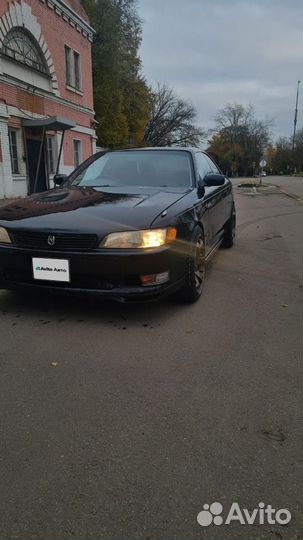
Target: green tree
121,96
282,159
298,151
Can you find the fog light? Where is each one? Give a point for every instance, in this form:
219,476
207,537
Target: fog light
155,279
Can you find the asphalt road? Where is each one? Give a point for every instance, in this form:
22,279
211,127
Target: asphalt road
289,185
119,422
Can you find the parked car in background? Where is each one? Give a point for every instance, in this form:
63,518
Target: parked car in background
127,224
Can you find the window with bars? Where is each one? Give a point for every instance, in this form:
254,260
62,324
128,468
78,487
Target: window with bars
77,152
50,152
13,147
19,45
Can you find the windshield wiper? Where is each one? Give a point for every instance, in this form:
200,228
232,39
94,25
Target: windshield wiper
102,185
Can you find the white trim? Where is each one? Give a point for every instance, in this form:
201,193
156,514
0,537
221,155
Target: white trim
72,89
18,177
84,130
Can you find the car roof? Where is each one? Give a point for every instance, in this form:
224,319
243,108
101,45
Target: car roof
162,148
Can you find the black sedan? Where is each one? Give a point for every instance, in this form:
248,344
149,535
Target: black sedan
127,224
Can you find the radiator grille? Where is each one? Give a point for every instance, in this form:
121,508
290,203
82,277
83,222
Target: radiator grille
55,242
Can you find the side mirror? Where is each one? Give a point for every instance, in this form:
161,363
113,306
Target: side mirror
214,180
59,179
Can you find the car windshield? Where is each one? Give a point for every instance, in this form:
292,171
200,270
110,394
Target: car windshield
142,168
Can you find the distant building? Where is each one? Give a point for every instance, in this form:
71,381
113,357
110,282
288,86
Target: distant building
45,91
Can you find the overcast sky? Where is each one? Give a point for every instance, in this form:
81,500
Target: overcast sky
218,51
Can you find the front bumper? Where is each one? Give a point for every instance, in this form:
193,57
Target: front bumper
108,273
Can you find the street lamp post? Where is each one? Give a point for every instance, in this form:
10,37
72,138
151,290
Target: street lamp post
295,118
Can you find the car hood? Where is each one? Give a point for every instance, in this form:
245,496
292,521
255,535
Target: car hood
89,209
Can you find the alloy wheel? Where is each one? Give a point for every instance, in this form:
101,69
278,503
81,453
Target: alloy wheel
199,264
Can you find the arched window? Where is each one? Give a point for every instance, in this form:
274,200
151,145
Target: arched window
19,45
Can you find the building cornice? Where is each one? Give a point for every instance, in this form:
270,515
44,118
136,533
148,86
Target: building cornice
69,15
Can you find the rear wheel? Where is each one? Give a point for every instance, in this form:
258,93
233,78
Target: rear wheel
195,269
229,230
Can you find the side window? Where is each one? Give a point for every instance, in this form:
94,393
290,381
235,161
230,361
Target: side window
213,167
203,165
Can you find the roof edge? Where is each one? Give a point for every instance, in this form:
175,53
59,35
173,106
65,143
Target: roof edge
64,9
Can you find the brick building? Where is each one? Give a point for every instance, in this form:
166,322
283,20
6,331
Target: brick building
46,95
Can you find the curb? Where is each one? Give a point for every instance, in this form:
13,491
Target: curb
290,195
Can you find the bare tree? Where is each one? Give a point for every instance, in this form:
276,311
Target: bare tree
239,125
172,120
241,139
233,117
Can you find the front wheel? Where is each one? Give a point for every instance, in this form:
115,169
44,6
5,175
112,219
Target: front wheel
195,269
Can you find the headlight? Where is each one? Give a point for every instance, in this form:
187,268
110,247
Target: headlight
140,239
4,238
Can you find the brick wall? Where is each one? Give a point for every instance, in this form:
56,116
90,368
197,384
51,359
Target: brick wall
28,101
57,32
86,145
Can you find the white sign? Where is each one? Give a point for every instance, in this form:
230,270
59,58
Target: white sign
263,163
51,269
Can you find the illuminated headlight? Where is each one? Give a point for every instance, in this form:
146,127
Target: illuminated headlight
4,238
140,239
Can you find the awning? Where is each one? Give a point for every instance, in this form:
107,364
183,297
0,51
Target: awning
52,123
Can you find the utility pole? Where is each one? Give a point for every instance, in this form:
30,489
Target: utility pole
295,118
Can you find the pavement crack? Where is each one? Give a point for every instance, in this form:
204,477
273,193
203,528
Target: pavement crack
278,436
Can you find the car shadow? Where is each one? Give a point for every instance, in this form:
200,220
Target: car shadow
62,308
49,308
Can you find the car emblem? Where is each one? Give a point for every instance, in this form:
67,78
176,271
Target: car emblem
51,240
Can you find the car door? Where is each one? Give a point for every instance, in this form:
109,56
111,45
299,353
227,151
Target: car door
203,169
212,198
224,198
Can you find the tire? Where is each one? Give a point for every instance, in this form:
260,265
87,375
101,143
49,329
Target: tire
229,230
195,270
